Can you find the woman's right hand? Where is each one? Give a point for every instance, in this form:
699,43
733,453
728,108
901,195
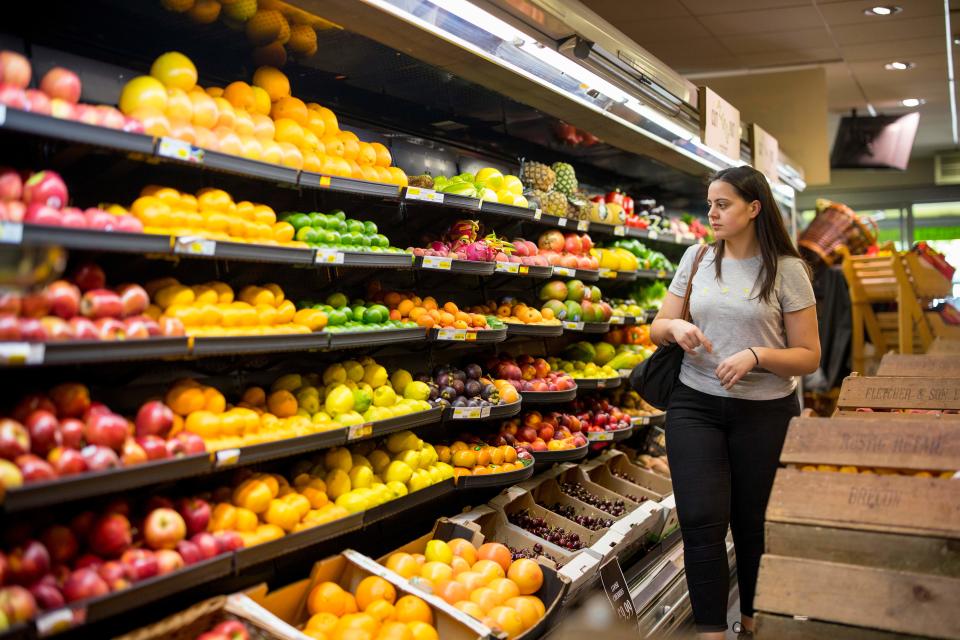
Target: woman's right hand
689,337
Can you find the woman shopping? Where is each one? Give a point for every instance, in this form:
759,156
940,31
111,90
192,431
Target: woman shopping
752,329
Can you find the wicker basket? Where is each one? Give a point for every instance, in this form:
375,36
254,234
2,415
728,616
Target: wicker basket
837,225
185,625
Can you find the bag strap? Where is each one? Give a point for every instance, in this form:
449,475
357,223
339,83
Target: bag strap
685,315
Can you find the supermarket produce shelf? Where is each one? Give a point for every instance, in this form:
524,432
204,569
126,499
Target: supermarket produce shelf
655,275
566,455
279,448
537,330
75,487
522,270
385,427
13,354
348,339
18,121
468,267
610,436
549,397
586,327
565,223
617,276
349,185
228,345
250,252
655,420
293,542
459,414
35,235
587,275
466,483
409,501
508,210
625,321
484,336
598,383
370,259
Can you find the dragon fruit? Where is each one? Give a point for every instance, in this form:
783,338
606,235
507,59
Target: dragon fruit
439,246
479,251
468,229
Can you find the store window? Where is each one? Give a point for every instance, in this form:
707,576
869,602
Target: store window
938,223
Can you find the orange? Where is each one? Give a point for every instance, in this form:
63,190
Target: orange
154,122
403,564
394,630
333,145
341,167
374,588
271,152
497,552
292,156
315,123
205,139
451,591
226,115
459,565
185,400
446,319
273,55
273,81
471,580
507,620
205,11
363,621
261,102
351,633
351,148
243,126
436,572
426,321
485,598
174,70
283,232
405,307
429,303
367,156
240,95
285,312
529,614
537,603
231,423
179,106
263,127
471,609
282,404
329,119
143,92
505,588
450,307
213,400
205,424
204,109
351,603
423,631
303,40
368,173
246,520
266,26
327,597
250,148
214,92
324,622
380,609
398,176
312,142
288,130
383,158
215,200
289,107
383,175
413,609
228,141
527,574
265,215
312,162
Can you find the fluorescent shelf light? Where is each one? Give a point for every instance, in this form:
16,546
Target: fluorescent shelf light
883,10
899,66
912,102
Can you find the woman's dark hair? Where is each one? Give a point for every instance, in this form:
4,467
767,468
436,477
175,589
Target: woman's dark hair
772,234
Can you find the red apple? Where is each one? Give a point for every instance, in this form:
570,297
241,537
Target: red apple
572,244
82,523
61,83
39,213
44,431
111,117
28,563
134,299
72,399
11,184
67,462
192,443
132,453
9,327
14,439
142,563
10,302
56,329
132,125
99,219
119,506
47,595
111,329
89,276
129,224
110,535
14,69
207,544
154,418
71,433
38,102
100,458
116,574
34,468
164,528
546,432
88,561
101,303
62,109
196,514
172,327
189,551
34,305
13,97
73,217
232,629
47,188
586,243
154,447
169,561
228,541
17,604
83,584
106,430
135,329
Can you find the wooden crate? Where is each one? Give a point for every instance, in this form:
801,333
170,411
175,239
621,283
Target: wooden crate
944,345
919,366
899,601
899,392
776,627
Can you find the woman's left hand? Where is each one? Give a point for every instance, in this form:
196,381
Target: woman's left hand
735,367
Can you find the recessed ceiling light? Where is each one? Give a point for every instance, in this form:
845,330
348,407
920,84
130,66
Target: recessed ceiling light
882,10
913,102
898,66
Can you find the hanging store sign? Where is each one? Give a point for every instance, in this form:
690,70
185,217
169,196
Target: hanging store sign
719,124
765,151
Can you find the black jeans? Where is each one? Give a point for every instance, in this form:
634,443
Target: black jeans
724,453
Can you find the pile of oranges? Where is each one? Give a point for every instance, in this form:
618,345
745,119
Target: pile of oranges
479,459
515,311
211,213
372,612
485,582
429,313
259,120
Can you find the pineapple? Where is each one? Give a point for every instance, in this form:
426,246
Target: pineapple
554,203
537,176
566,178
579,206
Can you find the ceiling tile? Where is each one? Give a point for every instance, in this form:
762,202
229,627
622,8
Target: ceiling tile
886,30
709,7
785,19
894,49
851,11
646,32
798,40
928,69
615,11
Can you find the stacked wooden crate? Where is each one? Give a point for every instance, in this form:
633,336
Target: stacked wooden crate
863,524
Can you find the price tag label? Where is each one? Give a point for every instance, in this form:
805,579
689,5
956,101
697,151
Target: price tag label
523,269
21,353
652,234
615,586
357,431
538,214
226,458
436,262
619,230
564,271
194,246
600,436
3,114
424,195
562,222
328,256
325,181
583,225
576,326
602,383
624,373
180,150
616,319
11,232
458,335
507,267
661,274
60,620
608,273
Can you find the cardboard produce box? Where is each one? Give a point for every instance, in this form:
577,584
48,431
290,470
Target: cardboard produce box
574,474
619,462
637,494
289,604
551,593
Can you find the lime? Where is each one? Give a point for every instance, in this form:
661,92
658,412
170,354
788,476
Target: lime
336,318
331,238
338,213
309,235
355,226
370,228
337,300
317,220
348,239
371,316
380,240
298,220
358,312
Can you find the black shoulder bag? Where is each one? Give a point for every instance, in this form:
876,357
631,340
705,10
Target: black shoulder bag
655,378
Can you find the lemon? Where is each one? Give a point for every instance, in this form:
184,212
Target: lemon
410,457
338,458
349,418
352,502
321,417
438,551
384,396
354,370
446,471
361,461
375,375
339,400
513,184
416,391
175,70
398,488
290,382
419,480
397,471
361,477
401,441
378,460
435,475
309,402
400,379
338,483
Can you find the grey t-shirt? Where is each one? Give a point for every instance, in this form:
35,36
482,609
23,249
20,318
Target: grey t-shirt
729,312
